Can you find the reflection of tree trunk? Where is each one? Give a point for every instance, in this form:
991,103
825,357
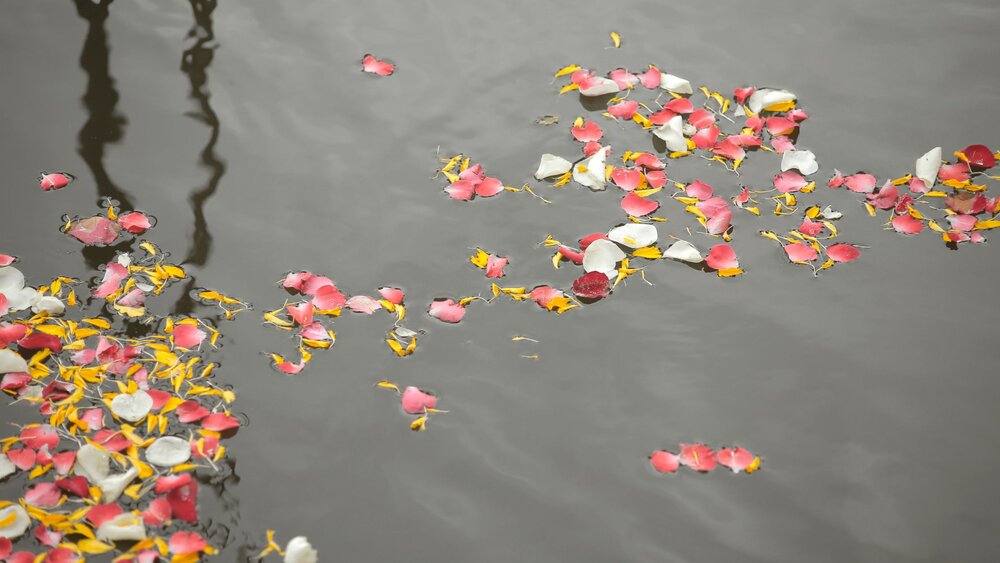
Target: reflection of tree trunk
194,64
104,125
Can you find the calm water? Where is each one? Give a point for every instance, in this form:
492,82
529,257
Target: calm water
247,130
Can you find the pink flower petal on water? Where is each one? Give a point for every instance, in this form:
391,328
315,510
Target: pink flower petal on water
958,172
22,458
638,206
78,486
741,94
157,513
37,437
861,183
755,123
592,285
918,186
977,238
743,197
11,333
797,114
886,196
111,440
14,381
182,543
712,206
800,252
651,78
191,411
95,230
446,310
416,401
680,105
729,149
47,537
495,265
843,252
7,259
188,336
706,138
302,313
623,78
94,418
589,239
701,118
782,144
810,227
572,255
489,187
462,190
624,110
42,495
656,178
62,462
720,222
184,502
699,189
722,257
789,181
836,180
296,280
627,179
314,331
591,148
134,299
372,65
780,125
649,161
698,457
362,304
662,117
101,513
962,222
114,273
55,180
393,295
135,222
327,298
220,422
907,225
664,461
736,459
588,132
169,483
543,295
289,367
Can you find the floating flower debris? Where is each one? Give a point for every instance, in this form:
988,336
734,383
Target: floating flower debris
378,67
702,458
414,401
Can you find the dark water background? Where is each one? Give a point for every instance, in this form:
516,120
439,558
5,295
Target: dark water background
248,131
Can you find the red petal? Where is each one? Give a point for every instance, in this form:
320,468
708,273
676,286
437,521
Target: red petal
680,105
220,422
722,257
42,495
624,110
720,222
184,502
11,333
701,118
664,461
980,156
95,230
189,336
592,285
462,190
638,206
789,181
114,273
374,66
75,485
780,125
182,543
843,252
393,295
416,401
328,297
168,483
698,457
23,458
191,411
588,132
495,265
907,225
302,313
810,227
37,437
736,459
135,222
800,252
101,513
54,180
627,179
39,340
741,94
489,187
63,462
157,513
569,254
446,310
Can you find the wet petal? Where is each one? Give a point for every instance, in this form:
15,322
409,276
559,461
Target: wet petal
722,257
372,65
446,310
638,206
633,235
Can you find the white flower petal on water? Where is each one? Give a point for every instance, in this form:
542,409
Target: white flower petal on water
132,407
7,467
602,256
803,161
829,213
112,487
634,235
93,463
168,451
767,97
590,173
739,111
124,259
19,521
22,298
124,527
928,166
11,280
48,304
600,87
672,133
12,362
675,84
299,550
684,251
552,165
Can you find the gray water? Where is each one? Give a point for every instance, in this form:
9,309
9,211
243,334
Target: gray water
247,129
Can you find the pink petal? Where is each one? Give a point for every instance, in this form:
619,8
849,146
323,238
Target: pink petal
188,336
78,486
101,513
886,196
135,222
315,331
664,461
797,114
962,222
651,78
591,148
295,280
903,204
656,178
40,340
23,458
374,66
649,161
706,138
93,418
11,333
623,78
592,285
918,186
736,459
157,513
977,238
290,368
42,495
861,183
729,149
756,123
698,457
489,187
362,304
14,381
720,222
184,502
789,181
37,437
782,144
627,179
114,273
95,230
462,190
958,172
327,298
183,542
699,189
393,295
415,401
495,265
220,422
800,252
810,227
780,125
712,206
741,94
191,411
47,537
446,310
111,440
54,180
742,198
638,206
701,118
543,295
907,225
63,462
590,131
7,259
662,117
134,299
837,180
569,254
624,110
843,252
722,257
680,105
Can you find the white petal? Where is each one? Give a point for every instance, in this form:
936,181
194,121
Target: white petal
804,161
124,527
928,166
634,235
594,177
675,84
11,280
672,133
132,407
602,256
829,213
112,487
766,97
124,259
48,304
18,526
601,87
11,362
684,251
93,463
299,550
22,298
7,467
168,451
552,165
739,111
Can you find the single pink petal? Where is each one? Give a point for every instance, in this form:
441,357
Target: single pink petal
789,181
962,222
157,513
656,178
416,401
135,222
77,485
860,182
782,144
662,117
114,273
837,180
649,161
47,537
22,458
907,225
93,418
592,285
958,172
780,125
327,298
741,94
362,304
589,239
797,114
11,333
680,105
755,123
95,230
462,190
315,331
623,78
627,179
977,238
489,187
843,252
184,502
133,299
720,222
664,461
956,236
918,186
296,280
302,313
111,440
699,189
55,180
206,449
182,543
886,196
393,295
168,483
39,436
446,310
7,259
372,65
743,197
39,340
568,253
712,206
42,495
543,295
698,457
220,422
591,148
800,252
62,462
722,257
190,411
495,265
290,368
15,381
314,284
651,78
701,118
624,110
729,149
588,132
473,174
706,138
188,336
810,227
736,459
638,206
101,513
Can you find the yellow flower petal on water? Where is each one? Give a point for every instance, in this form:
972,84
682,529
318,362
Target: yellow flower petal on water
616,39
